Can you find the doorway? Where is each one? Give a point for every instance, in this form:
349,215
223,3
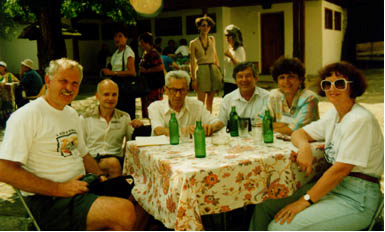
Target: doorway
272,41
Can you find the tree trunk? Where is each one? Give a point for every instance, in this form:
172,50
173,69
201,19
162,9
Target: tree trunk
50,43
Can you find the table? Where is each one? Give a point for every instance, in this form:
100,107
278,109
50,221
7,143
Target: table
177,188
7,100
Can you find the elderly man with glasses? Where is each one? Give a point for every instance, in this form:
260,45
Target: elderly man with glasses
188,110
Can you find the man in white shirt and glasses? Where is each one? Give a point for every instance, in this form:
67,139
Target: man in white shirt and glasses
187,110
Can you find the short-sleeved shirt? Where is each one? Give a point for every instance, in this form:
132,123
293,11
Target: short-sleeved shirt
303,109
193,110
8,78
116,59
182,49
357,139
106,138
240,55
32,82
244,108
47,142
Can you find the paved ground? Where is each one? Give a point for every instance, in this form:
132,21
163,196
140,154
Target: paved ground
12,213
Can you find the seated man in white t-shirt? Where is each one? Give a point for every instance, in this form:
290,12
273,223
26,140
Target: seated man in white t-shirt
105,127
43,154
248,99
188,110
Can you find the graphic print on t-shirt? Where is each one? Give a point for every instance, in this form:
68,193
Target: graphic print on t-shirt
330,153
67,141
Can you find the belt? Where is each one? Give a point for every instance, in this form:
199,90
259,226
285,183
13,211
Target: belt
364,176
206,64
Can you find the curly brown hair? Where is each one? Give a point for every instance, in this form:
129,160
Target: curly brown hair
350,72
285,65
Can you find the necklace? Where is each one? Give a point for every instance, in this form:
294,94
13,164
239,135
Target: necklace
207,46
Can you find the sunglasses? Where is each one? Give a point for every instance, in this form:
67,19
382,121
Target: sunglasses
339,84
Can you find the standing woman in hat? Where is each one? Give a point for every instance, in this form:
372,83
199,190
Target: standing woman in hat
205,73
233,55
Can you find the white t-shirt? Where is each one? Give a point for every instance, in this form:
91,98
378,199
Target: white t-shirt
240,56
48,142
244,108
356,140
106,138
193,110
182,49
116,59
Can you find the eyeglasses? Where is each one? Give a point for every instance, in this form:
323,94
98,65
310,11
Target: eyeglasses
339,84
175,90
205,25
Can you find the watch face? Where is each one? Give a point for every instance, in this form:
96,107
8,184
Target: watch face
306,197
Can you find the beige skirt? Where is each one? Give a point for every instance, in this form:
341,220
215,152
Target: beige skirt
209,78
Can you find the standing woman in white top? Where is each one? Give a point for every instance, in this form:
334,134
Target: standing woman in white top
233,55
205,74
347,194
122,69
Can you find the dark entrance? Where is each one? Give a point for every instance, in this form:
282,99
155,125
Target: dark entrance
272,33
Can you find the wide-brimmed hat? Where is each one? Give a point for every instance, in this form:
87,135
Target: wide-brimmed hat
231,30
28,63
206,18
2,63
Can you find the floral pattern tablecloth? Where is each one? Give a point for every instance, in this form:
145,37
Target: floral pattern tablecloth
177,188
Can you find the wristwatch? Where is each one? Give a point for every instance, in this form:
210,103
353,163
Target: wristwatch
307,198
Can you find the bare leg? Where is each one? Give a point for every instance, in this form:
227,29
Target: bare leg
209,101
111,213
201,96
111,166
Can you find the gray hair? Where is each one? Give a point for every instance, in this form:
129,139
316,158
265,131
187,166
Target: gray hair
178,74
236,34
105,81
63,63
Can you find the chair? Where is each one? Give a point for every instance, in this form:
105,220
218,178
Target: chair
31,217
378,215
41,93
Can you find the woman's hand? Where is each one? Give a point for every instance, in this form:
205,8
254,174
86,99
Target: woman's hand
136,123
228,54
107,72
289,212
194,84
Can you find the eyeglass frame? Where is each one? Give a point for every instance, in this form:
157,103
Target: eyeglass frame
173,91
333,84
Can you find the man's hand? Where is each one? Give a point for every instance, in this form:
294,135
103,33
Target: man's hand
305,159
209,129
136,123
72,187
288,213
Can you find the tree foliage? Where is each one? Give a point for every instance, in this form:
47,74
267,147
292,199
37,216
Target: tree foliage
47,15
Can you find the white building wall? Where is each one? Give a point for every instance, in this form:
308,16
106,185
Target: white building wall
331,39
248,18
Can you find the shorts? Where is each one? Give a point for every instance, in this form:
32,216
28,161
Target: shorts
61,213
120,158
209,78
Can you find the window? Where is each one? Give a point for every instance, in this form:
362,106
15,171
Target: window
191,27
328,18
168,26
89,31
337,20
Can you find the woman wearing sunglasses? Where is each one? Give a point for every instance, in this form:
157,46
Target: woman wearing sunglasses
291,105
348,193
205,74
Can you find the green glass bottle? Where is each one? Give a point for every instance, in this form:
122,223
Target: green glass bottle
234,122
199,141
174,130
267,128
